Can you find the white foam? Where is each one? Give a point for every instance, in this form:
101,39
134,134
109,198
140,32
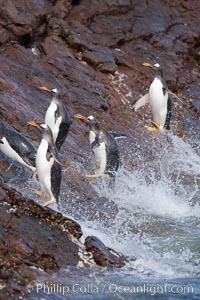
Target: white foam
156,222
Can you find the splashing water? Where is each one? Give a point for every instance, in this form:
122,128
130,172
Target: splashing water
157,220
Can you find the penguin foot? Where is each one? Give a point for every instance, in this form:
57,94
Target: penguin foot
156,125
151,129
40,194
94,175
51,201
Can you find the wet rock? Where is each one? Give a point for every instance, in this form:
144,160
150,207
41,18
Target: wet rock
101,57
196,105
103,255
32,236
2,195
81,42
83,202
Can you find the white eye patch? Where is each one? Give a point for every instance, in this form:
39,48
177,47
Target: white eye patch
157,65
55,90
44,126
90,118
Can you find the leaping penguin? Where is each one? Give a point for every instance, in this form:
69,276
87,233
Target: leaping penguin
48,166
17,147
103,146
159,100
57,117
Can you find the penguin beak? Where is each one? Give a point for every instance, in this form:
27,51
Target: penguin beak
82,118
34,124
43,88
147,65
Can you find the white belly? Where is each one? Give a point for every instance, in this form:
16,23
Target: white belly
100,156
99,153
91,137
44,168
158,102
50,120
8,150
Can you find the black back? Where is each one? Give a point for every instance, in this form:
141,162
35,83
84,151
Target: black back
62,111
112,152
64,125
169,114
56,177
19,143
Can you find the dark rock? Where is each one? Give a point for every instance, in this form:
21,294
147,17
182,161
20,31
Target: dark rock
2,195
80,42
196,105
192,90
103,255
108,67
32,236
100,56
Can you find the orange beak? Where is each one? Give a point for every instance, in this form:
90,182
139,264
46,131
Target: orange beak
43,88
32,123
80,117
147,65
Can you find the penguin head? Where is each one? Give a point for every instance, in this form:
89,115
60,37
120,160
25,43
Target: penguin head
53,91
93,124
89,120
44,128
48,136
156,67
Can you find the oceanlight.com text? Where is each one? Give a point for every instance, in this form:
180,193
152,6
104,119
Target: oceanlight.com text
107,288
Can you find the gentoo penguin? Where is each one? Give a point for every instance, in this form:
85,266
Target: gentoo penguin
103,146
159,100
57,117
48,166
17,147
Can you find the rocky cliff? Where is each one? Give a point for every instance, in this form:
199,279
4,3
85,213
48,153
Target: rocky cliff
93,51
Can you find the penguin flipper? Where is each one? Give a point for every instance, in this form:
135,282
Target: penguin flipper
95,143
22,146
56,178
118,135
140,102
62,134
53,152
